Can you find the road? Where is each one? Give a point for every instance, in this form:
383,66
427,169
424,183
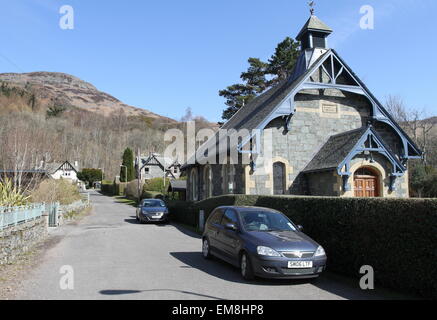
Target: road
114,257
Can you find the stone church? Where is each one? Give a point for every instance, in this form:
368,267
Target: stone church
328,133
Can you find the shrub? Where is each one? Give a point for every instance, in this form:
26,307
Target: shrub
119,189
11,196
90,176
183,212
397,237
50,191
157,185
108,188
152,195
132,189
128,164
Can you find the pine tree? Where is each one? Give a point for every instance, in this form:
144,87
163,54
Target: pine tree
128,164
261,76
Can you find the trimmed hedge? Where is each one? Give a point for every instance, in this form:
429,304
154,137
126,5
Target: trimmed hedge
107,188
120,188
152,195
397,237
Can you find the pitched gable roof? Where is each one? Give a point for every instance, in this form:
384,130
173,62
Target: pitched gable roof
51,168
341,148
158,160
254,113
335,150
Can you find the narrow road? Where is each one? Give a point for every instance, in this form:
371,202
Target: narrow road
113,257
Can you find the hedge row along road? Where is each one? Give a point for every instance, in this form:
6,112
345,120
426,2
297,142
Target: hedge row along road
113,257
397,237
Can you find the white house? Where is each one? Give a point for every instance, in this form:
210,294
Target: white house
157,166
63,170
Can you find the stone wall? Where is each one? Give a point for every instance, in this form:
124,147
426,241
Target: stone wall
319,115
383,167
324,184
19,239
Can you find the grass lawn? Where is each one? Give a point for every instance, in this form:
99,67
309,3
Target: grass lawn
124,200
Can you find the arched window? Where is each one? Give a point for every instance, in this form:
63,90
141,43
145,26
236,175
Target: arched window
193,182
207,182
228,175
366,183
279,178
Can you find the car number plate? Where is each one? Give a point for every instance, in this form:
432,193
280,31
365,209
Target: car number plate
300,264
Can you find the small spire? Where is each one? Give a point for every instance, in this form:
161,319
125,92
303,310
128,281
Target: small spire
312,4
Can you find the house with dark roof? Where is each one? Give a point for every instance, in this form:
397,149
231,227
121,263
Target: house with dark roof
321,132
157,166
63,170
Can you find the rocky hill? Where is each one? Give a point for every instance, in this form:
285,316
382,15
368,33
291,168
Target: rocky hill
40,91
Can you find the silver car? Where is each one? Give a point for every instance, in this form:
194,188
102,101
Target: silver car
152,210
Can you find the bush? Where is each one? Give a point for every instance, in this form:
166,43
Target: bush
10,196
152,195
119,189
89,176
157,185
183,212
397,237
132,189
107,188
50,191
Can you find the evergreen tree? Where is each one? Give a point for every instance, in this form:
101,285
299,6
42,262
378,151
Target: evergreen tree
128,164
282,63
261,76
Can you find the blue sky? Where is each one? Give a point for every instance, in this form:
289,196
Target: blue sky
166,56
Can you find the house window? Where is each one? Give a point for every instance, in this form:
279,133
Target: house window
279,178
147,170
207,183
230,181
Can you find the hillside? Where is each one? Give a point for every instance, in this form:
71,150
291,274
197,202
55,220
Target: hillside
39,91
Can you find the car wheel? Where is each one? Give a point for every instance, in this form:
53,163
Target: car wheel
246,267
206,249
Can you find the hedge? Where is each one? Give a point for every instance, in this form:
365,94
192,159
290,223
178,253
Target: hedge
397,237
107,188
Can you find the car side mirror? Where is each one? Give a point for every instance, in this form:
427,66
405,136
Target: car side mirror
300,228
231,226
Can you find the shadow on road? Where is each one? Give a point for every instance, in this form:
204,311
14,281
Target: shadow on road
186,231
126,292
225,271
344,287
132,220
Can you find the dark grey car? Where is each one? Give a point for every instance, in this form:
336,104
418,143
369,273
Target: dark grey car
152,210
262,242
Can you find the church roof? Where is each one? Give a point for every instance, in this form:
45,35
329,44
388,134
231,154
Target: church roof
256,111
342,146
335,151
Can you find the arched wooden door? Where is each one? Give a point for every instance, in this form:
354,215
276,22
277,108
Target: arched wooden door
279,178
366,183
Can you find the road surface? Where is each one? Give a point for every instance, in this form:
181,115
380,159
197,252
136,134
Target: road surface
114,257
